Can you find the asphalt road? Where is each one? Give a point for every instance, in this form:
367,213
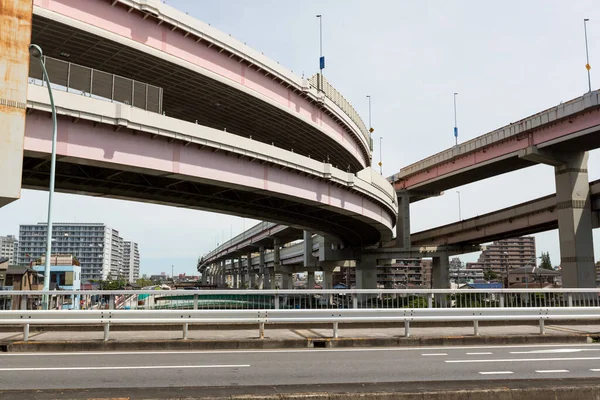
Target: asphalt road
295,367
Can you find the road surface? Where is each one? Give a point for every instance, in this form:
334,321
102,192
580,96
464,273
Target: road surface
295,367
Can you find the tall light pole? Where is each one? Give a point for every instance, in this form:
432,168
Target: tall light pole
459,213
321,58
370,126
380,156
35,52
587,55
455,123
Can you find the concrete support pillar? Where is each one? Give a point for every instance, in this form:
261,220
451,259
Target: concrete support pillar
243,273
251,274
327,268
262,280
440,278
440,272
286,278
575,221
15,19
366,273
309,259
403,224
310,281
276,260
235,273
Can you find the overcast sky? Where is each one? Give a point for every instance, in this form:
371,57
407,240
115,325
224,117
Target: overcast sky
506,59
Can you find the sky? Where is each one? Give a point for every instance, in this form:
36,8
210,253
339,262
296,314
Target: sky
506,60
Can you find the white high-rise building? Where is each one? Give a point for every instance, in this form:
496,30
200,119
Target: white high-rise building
8,248
131,261
97,247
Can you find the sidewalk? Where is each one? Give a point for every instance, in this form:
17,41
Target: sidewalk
295,338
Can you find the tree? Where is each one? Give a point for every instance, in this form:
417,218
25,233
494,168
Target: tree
490,275
546,263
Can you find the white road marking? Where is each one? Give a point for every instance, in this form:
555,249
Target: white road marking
595,369
496,373
522,360
550,371
485,353
288,351
553,351
434,354
123,367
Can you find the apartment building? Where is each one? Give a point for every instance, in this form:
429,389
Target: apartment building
398,275
9,246
504,255
97,247
131,261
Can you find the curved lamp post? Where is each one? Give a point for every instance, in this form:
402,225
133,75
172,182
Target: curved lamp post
35,52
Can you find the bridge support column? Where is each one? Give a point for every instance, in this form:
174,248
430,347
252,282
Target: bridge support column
575,221
310,280
440,277
286,278
234,272
251,274
243,274
440,272
276,261
223,275
366,273
263,273
403,224
327,268
15,19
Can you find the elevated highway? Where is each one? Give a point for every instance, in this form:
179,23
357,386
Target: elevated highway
114,150
546,137
156,106
206,76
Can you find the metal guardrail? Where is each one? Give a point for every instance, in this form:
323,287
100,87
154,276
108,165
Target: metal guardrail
320,83
92,82
262,317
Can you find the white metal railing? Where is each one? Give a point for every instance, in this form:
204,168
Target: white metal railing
300,299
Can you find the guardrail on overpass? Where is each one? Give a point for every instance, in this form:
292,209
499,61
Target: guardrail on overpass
288,306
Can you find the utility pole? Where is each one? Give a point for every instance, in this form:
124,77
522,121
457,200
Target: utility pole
459,213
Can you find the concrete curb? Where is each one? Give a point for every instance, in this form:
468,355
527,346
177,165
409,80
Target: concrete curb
257,344
571,389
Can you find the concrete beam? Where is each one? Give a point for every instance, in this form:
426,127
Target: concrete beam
541,156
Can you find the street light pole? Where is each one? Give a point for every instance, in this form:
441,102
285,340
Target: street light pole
380,156
459,213
455,123
587,55
321,58
369,97
35,51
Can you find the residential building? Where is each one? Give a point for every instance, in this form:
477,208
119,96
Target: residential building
504,255
397,275
459,274
532,277
97,247
3,269
9,248
131,261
